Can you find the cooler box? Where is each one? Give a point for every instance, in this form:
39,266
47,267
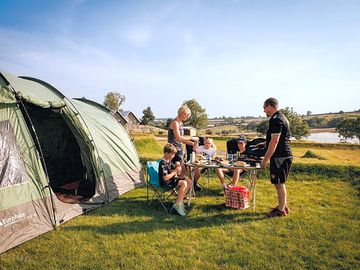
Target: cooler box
237,197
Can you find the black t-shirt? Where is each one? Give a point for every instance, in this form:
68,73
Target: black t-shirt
165,168
278,124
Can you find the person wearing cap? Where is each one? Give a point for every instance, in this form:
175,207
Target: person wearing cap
279,153
234,173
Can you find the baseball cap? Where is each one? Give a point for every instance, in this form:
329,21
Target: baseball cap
241,138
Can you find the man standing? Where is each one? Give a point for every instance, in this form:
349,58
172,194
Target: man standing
279,152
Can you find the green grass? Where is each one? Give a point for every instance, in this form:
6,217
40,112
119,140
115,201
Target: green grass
312,154
329,156
322,231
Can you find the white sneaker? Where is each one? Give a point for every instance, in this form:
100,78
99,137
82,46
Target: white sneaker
178,209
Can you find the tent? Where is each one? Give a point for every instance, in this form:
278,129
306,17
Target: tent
59,158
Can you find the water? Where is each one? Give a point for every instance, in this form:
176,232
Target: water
329,137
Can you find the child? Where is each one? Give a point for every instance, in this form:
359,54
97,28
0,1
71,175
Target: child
234,173
209,150
168,176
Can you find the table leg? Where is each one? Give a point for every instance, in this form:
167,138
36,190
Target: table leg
191,190
253,184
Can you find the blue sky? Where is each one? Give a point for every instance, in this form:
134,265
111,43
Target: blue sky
228,55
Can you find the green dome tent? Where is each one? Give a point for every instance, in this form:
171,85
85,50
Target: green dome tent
59,158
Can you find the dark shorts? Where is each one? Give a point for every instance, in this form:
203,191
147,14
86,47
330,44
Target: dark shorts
172,183
279,169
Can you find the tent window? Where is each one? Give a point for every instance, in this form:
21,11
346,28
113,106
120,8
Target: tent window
12,167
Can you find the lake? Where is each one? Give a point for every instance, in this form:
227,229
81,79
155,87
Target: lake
328,137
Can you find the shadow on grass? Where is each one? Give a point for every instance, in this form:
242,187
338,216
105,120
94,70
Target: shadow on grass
154,218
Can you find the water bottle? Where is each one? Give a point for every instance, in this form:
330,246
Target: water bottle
192,157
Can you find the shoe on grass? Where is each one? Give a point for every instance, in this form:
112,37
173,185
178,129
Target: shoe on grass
287,209
183,207
178,208
275,212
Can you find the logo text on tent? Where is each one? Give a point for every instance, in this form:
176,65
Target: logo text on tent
11,220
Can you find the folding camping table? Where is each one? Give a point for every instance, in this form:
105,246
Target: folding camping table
252,170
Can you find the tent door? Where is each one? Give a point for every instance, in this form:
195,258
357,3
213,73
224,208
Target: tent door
68,176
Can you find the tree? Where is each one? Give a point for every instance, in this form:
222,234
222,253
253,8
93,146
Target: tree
349,128
199,118
113,100
333,123
308,113
252,125
317,122
298,127
262,127
148,116
168,122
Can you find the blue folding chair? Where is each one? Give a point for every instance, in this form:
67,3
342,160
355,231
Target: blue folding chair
152,182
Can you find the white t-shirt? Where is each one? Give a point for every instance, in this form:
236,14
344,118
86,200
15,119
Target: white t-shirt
211,151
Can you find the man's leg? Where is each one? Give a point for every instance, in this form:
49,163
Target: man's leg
281,193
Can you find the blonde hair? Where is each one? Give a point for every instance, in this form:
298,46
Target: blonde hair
210,140
184,109
169,148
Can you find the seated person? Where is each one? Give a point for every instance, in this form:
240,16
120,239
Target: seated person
168,177
235,173
208,150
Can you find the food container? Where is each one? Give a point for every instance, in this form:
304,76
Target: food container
237,197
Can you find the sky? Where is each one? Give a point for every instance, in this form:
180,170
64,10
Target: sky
229,56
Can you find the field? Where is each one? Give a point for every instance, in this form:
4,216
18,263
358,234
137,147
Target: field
322,231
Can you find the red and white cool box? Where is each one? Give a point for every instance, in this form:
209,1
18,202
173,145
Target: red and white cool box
237,197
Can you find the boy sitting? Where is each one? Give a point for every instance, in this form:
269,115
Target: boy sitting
168,177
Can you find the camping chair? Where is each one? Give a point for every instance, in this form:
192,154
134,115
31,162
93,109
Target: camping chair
253,153
159,193
189,150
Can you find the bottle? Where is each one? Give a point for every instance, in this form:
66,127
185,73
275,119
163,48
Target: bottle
192,157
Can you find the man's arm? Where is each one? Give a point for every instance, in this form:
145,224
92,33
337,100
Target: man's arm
271,149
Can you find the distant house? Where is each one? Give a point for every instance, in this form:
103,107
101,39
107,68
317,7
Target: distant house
189,131
132,120
120,118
